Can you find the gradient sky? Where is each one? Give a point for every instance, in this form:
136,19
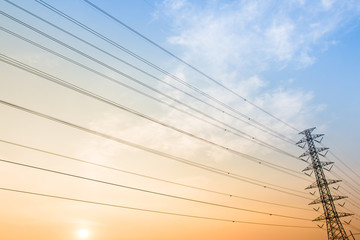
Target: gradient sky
298,60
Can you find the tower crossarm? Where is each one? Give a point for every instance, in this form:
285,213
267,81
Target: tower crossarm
314,136
326,200
314,185
311,166
340,214
317,150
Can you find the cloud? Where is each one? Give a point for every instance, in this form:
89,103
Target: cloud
327,3
174,4
266,34
238,41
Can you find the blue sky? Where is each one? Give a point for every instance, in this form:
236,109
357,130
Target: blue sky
305,51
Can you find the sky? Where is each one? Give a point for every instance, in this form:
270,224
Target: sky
176,118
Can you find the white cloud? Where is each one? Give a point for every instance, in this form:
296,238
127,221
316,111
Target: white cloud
263,33
237,40
175,4
327,3
280,42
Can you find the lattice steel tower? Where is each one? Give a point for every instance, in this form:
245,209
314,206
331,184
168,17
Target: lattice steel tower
335,229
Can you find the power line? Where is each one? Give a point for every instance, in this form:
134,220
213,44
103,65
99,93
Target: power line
346,185
117,105
61,13
228,128
345,174
150,177
148,210
353,203
347,167
354,215
75,88
153,151
349,185
350,200
182,61
152,192
268,130
199,71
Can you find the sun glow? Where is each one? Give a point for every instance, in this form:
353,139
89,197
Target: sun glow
83,233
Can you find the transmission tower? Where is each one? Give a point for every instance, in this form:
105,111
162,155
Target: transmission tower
335,229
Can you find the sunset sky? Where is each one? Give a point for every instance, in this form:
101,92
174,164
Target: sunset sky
175,119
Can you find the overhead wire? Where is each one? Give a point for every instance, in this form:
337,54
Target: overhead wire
152,178
349,200
152,76
346,175
127,109
345,165
194,68
197,70
230,89
227,128
353,204
90,30
346,184
156,152
349,185
151,192
148,210
352,212
82,91
99,62
139,34
184,62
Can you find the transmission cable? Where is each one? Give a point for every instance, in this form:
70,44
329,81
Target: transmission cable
348,193
151,192
117,105
350,200
129,110
159,69
349,185
343,163
346,175
229,128
150,177
155,44
182,61
147,210
134,67
352,212
153,151
139,69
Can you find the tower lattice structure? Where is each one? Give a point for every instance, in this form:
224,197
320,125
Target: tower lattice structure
335,229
